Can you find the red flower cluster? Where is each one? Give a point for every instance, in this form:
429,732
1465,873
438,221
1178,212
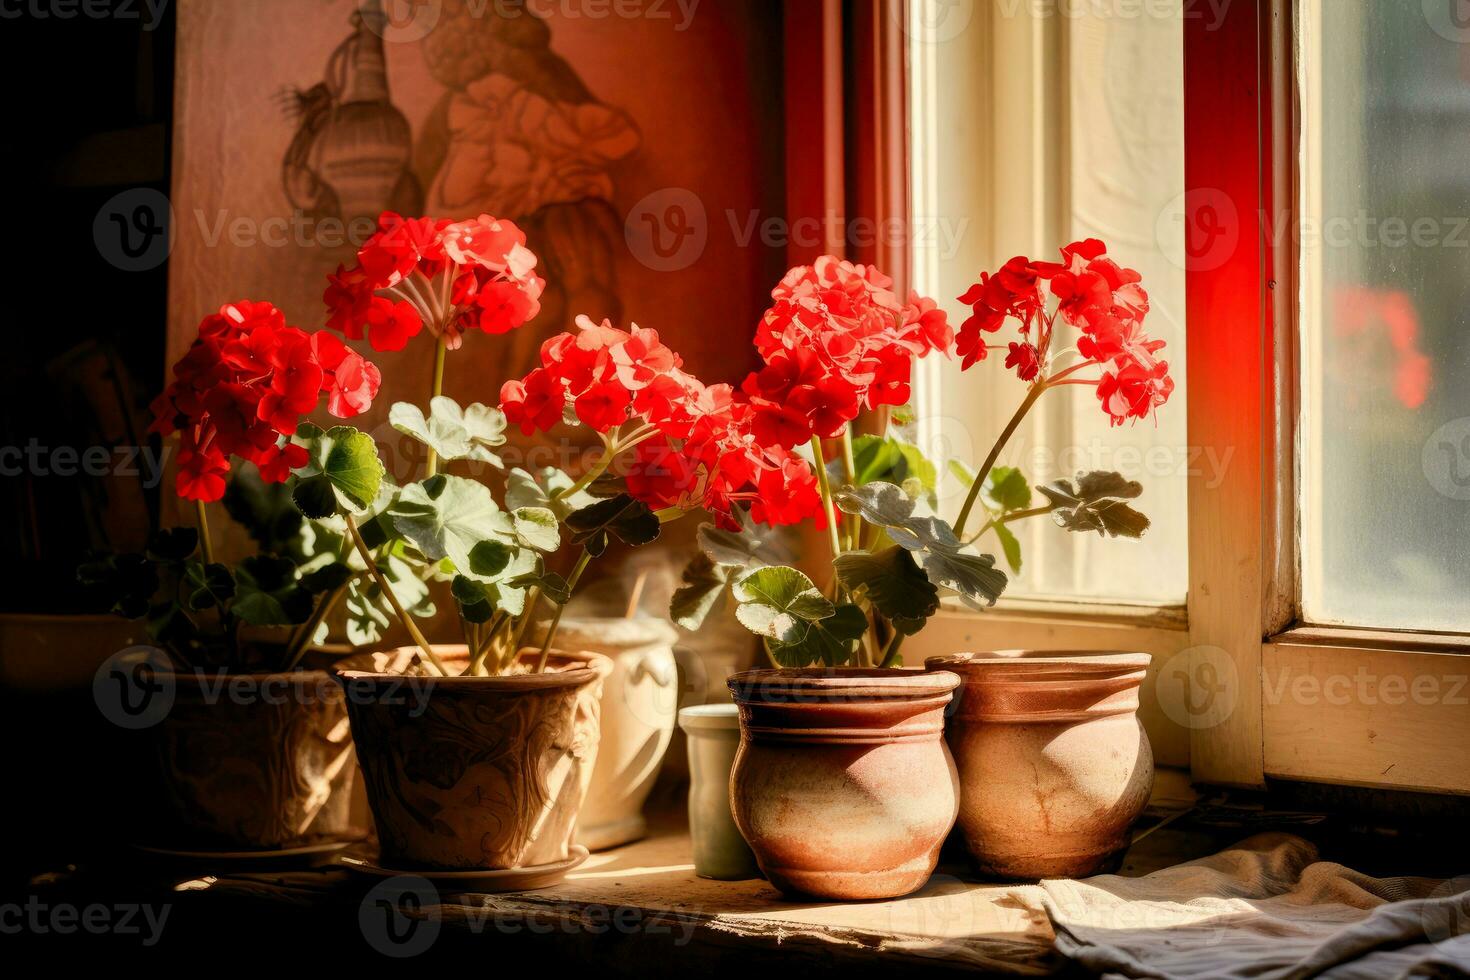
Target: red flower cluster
694,445
721,465
1011,292
835,341
608,375
1100,298
448,276
244,383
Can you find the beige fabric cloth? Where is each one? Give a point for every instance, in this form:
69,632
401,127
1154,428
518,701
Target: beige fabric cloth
1265,908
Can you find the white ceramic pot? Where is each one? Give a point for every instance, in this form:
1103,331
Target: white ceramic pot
639,702
719,849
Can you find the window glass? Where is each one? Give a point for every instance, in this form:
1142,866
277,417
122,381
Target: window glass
1385,242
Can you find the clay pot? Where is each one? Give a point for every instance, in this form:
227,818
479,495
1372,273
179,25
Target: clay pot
639,701
1053,762
720,852
474,773
248,762
842,784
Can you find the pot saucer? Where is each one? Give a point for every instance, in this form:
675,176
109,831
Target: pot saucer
486,880
307,854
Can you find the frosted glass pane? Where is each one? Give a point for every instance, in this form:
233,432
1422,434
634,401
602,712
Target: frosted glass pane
1386,316
1057,129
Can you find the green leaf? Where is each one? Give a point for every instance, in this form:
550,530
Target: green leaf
369,614
169,625
342,472
893,582
973,577
945,560
887,459
327,577
265,511
1007,489
447,516
831,641
749,547
524,489
208,585
1095,503
537,527
474,602
703,588
1011,545
267,594
553,587
126,582
489,558
622,517
452,432
779,602
172,544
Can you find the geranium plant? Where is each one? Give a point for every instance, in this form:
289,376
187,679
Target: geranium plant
836,341
239,394
495,555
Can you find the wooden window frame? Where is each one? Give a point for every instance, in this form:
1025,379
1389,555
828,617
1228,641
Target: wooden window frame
1252,692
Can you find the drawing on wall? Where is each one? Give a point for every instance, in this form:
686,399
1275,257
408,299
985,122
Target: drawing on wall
515,132
352,152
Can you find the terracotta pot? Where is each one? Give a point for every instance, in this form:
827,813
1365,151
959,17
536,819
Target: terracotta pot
639,701
1053,762
842,784
474,773
720,852
249,761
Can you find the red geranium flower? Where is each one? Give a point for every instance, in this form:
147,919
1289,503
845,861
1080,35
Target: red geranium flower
447,276
243,384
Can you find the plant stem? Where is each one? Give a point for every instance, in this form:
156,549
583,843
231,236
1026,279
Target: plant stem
1030,399
849,469
204,543
484,643
301,639
556,616
826,488
890,651
431,465
403,616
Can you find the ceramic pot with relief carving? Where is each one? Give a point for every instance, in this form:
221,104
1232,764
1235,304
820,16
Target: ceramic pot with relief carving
640,699
475,773
842,784
1054,764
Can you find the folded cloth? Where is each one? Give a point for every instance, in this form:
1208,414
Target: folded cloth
1265,908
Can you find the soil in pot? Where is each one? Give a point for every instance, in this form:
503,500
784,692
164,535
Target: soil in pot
1054,764
474,773
842,784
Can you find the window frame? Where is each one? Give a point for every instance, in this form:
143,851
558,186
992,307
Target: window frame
1265,695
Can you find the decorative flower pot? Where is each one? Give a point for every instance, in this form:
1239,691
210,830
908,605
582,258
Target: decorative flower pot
247,762
639,701
474,773
842,784
1053,762
720,852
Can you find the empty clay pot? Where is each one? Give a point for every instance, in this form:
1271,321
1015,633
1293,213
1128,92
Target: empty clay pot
474,773
842,784
1053,762
250,762
639,701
